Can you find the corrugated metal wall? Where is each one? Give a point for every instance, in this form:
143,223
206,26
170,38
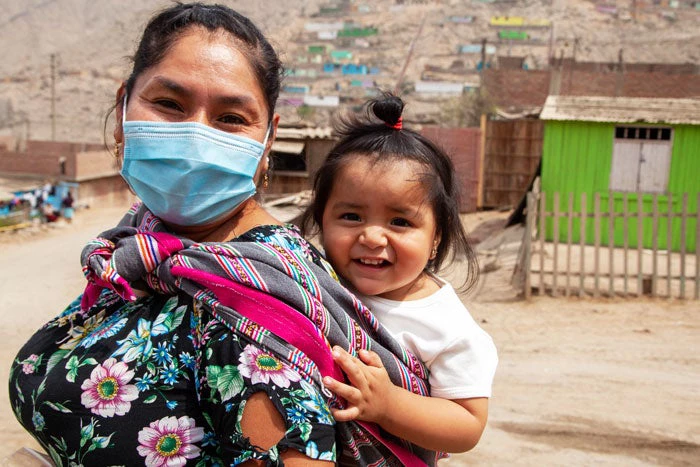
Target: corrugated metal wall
577,158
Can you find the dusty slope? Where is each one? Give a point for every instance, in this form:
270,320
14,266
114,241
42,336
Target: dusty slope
92,39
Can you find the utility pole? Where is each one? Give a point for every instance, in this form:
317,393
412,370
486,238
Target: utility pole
53,97
399,81
483,66
619,77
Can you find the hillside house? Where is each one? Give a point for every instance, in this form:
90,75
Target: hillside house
623,148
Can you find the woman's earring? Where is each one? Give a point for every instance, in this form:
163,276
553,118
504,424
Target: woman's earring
266,181
116,150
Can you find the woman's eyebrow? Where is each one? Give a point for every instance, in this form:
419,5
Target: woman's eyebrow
174,86
171,85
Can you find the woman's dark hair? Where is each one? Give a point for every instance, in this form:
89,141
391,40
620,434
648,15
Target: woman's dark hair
166,27
378,136
163,30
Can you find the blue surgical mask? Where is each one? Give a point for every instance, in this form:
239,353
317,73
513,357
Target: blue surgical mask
187,173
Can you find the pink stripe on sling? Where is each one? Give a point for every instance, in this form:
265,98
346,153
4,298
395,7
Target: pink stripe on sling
290,325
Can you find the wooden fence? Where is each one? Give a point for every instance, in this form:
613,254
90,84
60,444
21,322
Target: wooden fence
558,257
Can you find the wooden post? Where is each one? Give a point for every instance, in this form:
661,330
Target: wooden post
596,258
542,214
626,235
669,242
555,266
697,248
527,242
582,241
684,219
640,235
611,244
569,227
655,244
482,155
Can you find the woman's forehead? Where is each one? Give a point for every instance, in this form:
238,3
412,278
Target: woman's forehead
208,61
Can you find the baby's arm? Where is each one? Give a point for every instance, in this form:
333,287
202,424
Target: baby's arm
429,422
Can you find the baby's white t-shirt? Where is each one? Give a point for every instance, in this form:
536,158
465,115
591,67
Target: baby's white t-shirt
439,330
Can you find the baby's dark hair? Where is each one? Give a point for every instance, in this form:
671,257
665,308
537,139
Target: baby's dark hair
378,135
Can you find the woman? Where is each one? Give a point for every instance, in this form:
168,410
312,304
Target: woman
205,330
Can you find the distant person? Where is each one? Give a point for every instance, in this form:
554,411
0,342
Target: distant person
386,204
48,212
207,325
67,207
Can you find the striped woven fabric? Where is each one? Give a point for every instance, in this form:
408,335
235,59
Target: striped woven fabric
139,255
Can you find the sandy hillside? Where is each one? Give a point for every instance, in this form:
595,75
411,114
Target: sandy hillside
580,382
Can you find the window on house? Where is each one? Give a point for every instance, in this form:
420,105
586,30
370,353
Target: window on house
641,159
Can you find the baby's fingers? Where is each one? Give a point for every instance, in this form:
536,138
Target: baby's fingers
345,415
371,358
345,391
350,365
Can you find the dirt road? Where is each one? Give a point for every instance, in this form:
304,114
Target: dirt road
580,382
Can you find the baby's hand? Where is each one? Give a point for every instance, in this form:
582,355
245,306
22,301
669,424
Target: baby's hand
371,388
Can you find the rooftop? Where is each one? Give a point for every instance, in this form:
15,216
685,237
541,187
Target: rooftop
622,109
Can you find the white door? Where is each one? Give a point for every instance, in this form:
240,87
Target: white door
624,175
654,165
641,164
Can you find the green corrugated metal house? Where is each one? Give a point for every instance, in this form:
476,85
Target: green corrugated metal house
623,146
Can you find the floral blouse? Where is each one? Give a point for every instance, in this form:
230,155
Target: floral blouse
160,382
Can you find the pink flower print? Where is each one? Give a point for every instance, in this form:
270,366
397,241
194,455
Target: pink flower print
169,441
261,367
29,364
107,393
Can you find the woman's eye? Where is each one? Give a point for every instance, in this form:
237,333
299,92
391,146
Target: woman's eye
169,104
400,222
349,216
232,120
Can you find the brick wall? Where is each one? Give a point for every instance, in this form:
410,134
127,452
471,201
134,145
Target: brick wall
463,145
517,89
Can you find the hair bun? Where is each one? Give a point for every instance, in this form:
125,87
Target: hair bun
388,109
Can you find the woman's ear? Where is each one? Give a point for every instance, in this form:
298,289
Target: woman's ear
119,114
273,133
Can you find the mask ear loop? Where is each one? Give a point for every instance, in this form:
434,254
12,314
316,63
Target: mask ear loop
124,109
267,134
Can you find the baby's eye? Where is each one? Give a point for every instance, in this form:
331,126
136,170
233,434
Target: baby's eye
350,216
400,222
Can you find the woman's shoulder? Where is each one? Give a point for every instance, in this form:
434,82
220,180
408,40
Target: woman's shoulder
287,236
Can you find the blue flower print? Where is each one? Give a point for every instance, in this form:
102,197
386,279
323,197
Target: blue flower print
109,328
296,415
313,452
209,439
145,382
162,354
137,343
38,421
187,360
169,374
316,405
